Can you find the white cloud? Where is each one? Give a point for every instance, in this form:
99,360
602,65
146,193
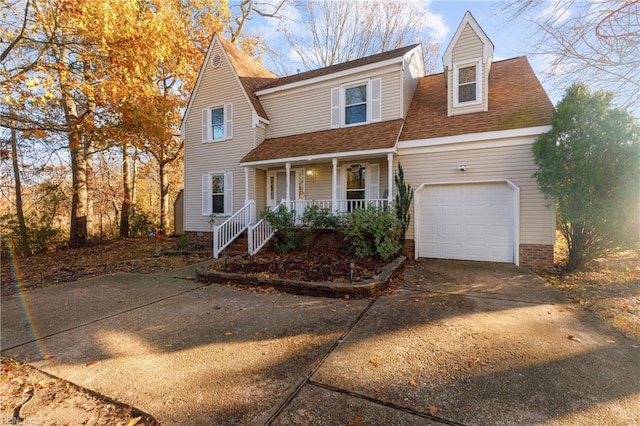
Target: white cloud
558,11
435,25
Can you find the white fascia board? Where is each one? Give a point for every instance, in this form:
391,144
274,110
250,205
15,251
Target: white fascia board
487,44
517,136
332,76
317,157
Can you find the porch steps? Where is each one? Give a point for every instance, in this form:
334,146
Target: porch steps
239,247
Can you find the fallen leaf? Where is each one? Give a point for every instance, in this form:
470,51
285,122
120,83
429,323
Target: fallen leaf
413,383
433,410
228,333
374,362
134,421
475,362
48,356
574,338
357,420
91,363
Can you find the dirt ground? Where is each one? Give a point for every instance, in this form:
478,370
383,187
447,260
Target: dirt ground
140,255
610,287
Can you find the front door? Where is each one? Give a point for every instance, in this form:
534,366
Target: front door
277,187
356,186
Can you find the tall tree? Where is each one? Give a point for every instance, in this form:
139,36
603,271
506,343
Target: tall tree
24,246
589,164
331,32
596,42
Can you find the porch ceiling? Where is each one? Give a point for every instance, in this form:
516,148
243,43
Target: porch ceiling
370,137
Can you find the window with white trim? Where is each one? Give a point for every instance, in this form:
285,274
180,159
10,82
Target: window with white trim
356,103
217,193
217,123
467,84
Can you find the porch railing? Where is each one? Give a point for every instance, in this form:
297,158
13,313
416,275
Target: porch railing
342,205
260,234
230,229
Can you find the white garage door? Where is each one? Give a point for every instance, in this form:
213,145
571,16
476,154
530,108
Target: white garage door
468,222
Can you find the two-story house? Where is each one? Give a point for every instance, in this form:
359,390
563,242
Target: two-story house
335,136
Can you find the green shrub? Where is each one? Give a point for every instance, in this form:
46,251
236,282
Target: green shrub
140,224
373,232
404,197
288,238
316,217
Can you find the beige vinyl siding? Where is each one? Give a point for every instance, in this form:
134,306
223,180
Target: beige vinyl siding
308,109
217,86
260,189
318,186
537,217
413,71
467,49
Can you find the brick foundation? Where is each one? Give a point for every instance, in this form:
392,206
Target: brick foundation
204,238
409,249
537,257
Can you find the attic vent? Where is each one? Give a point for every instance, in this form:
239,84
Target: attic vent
216,60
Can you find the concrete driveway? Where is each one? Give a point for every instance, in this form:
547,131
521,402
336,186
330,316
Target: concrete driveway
455,343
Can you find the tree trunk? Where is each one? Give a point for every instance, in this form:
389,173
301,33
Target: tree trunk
89,183
164,198
126,185
78,232
78,228
25,248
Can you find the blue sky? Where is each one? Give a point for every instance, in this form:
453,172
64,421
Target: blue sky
510,37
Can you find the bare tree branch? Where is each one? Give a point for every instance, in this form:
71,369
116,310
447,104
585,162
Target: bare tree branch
15,41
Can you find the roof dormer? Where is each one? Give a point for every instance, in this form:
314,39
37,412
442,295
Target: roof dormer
466,62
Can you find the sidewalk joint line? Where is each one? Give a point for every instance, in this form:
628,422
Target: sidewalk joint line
307,378
386,404
102,319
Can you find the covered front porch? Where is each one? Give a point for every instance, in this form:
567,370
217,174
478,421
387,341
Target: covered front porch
339,169
340,184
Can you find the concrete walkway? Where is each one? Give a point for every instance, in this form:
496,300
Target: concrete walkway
455,343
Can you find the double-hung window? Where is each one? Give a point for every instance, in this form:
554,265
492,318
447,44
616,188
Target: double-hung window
467,84
217,193
217,123
356,103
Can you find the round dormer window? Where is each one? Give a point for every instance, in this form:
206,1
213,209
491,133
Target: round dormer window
216,60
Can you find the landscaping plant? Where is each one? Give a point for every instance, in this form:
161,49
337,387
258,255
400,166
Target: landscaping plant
404,197
373,232
288,237
589,163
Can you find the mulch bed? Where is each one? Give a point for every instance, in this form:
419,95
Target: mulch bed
313,267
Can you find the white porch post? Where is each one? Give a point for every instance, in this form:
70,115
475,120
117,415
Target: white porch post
334,185
390,177
288,173
246,185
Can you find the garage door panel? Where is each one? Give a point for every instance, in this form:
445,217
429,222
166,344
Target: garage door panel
471,222
451,231
450,250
